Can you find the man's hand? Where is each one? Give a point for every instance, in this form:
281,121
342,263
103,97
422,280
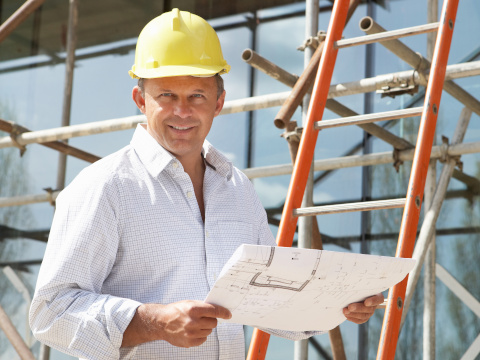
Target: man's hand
184,323
359,313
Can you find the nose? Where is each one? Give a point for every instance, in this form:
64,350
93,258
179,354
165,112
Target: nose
182,108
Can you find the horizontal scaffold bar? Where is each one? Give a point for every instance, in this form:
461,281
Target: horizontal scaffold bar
319,165
105,126
410,77
364,160
239,105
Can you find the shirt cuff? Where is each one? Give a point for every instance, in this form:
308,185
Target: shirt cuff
121,315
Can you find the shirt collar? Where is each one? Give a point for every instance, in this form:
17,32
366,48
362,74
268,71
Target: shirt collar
156,158
217,160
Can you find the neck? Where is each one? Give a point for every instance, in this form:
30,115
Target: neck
193,167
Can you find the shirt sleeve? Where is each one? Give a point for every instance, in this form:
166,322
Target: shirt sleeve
69,311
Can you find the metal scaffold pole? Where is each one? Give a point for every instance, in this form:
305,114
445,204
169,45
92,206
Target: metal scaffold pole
19,17
305,224
14,337
428,227
430,260
67,95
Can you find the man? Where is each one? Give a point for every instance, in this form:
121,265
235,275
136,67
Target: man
139,237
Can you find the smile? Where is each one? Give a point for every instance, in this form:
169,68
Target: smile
181,127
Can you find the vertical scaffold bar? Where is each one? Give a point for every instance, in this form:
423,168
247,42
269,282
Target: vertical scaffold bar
411,213
68,88
286,231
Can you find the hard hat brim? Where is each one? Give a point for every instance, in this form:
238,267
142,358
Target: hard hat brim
179,70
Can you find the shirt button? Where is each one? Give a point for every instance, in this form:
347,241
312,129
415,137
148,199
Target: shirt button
207,234
175,165
189,194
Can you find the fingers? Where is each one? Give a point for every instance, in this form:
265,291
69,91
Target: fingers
221,312
359,313
207,323
374,300
359,308
358,318
184,323
188,323
199,309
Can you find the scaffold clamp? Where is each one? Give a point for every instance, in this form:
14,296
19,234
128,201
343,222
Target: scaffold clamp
50,192
396,159
444,157
16,131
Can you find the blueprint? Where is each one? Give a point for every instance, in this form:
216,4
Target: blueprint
300,289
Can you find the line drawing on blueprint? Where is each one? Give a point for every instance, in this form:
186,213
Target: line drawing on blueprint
300,289
281,283
263,291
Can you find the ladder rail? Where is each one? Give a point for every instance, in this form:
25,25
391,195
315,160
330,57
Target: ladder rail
286,231
411,214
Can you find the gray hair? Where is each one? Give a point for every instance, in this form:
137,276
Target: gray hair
218,79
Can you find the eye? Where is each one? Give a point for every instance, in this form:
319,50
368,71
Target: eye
198,96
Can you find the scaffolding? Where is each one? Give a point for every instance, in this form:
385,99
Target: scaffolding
392,84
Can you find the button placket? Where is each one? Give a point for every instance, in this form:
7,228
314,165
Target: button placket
210,256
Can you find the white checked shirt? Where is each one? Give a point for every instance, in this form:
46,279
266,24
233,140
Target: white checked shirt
128,230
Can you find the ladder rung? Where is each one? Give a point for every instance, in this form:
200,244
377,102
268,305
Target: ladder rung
387,35
341,208
369,118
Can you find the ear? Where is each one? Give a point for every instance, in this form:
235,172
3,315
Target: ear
138,98
220,102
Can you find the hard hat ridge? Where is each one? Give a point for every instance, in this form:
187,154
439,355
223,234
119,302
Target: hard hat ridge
178,43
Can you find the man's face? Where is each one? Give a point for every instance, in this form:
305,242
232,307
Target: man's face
180,112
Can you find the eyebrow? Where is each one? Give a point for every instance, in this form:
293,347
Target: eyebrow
195,90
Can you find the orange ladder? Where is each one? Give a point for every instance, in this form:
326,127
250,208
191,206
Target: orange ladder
413,200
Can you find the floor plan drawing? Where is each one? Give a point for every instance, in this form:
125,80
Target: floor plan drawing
300,289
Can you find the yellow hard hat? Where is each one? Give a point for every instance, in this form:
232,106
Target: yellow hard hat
178,43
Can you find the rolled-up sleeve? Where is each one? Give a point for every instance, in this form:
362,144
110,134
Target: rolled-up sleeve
69,312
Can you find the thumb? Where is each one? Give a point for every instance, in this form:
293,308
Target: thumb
222,313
